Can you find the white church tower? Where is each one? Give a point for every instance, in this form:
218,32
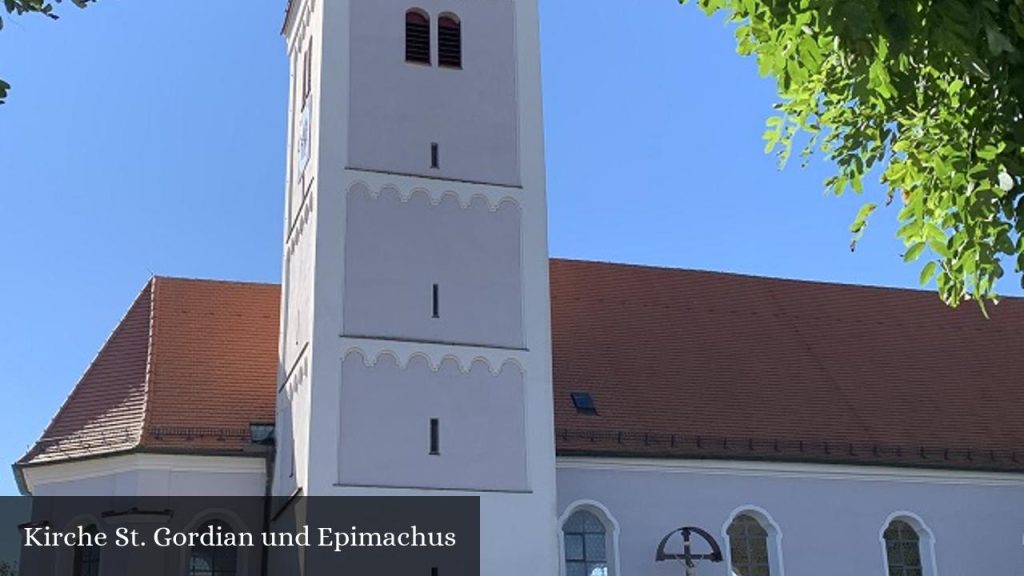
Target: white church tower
416,352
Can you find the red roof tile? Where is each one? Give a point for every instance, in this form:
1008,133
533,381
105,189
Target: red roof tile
214,364
105,411
679,363
190,366
699,364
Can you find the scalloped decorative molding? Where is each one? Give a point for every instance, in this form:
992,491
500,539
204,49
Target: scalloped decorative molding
298,227
371,360
299,376
301,25
436,197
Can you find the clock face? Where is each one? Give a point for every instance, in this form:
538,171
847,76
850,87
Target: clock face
304,134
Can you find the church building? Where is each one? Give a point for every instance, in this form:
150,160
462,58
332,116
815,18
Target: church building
422,342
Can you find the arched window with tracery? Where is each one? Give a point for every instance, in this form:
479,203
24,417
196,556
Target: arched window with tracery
86,561
417,36
748,547
213,560
903,549
585,539
908,546
449,41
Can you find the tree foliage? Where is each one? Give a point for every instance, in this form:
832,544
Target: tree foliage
19,7
924,94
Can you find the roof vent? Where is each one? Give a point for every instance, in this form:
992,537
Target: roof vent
261,433
583,402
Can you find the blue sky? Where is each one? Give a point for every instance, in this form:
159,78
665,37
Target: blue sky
148,138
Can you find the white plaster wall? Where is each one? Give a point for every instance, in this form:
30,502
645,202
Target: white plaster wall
400,108
296,322
517,530
300,238
385,413
511,522
151,475
397,248
284,458
292,432
830,517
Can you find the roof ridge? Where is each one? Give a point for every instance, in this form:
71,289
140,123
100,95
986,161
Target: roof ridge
197,280
147,388
780,279
783,313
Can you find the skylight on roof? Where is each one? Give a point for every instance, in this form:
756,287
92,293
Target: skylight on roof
583,402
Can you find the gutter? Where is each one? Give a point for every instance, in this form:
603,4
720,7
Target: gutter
267,502
19,479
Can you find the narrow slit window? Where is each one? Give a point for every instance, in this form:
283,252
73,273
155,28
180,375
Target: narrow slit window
449,41
307,73
436,301
417,37
435,437
435,155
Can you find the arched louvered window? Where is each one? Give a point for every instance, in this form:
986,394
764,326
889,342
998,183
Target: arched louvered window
417,37
903,549
213,560
87,558
748,547
449,41
586,550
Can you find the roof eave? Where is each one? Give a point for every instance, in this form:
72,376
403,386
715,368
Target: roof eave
632,455
19,479
19,467
289,11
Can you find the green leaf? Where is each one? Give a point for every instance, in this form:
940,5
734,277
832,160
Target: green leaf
860,222
928,273
914,252
998,42
930,91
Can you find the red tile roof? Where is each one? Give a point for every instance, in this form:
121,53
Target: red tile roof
679,364
190,366
105,411
700,364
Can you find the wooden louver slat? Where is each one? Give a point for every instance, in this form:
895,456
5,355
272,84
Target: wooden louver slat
449,43
417,39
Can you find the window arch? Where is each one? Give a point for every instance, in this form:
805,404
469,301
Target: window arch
417,36
753,543
213,560
449,41
908,546
86,560
589,541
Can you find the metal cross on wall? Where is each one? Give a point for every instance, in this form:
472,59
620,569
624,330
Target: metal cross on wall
688,557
